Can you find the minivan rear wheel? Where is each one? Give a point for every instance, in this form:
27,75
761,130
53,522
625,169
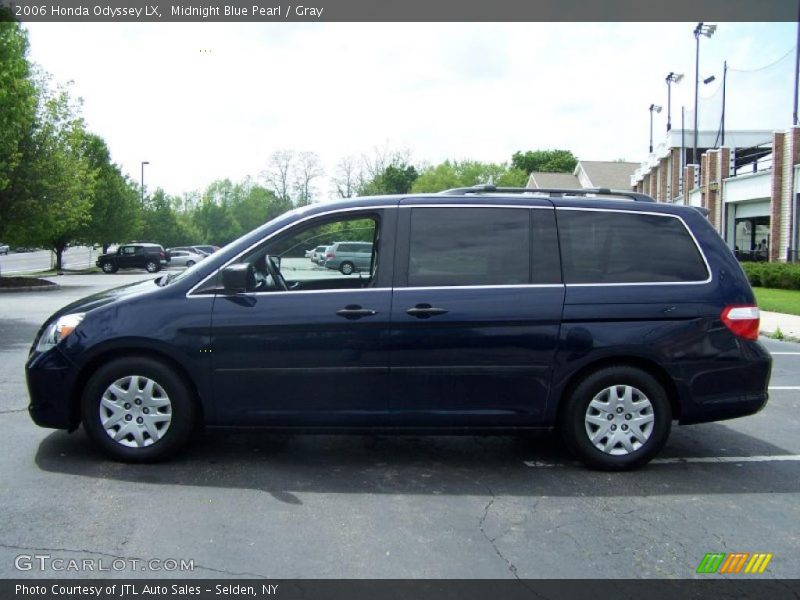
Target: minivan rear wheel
138,410
347,268
617,418
151,266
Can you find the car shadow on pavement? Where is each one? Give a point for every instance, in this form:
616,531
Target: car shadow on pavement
287,465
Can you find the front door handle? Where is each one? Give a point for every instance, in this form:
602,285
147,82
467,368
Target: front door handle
424,311
354,311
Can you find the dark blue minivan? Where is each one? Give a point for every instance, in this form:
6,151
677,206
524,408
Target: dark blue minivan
485,310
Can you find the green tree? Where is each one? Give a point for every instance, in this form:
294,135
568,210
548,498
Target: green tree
396,178
454,174
54,183
18,101
116,208
256,206
161,224
547,161
215,223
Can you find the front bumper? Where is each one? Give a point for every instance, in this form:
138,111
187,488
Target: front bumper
51,379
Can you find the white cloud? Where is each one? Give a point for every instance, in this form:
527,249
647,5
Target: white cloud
202,101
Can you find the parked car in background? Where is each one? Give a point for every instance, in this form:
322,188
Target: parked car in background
184,258
318,256
3,248
151,257
24,249
349,257
192,249
206,248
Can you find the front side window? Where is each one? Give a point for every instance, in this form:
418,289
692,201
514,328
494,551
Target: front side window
317,256
469,246
619,247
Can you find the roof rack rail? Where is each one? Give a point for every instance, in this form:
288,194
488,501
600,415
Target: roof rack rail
487,188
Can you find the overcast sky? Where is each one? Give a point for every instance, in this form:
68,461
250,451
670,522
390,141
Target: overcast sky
204,101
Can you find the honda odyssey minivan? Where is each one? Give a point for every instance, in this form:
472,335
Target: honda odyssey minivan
601,314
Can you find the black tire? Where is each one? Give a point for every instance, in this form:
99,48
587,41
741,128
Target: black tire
152,266
347,268
109,268
182,404
575,423
189,263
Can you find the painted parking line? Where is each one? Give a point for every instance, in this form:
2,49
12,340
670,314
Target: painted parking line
727,459
784,387
785,353
690,459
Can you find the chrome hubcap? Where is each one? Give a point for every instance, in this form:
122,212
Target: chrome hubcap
135,411
619,420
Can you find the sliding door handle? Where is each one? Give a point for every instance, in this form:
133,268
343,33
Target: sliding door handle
424,311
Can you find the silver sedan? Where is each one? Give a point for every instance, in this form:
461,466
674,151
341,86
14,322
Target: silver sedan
184,258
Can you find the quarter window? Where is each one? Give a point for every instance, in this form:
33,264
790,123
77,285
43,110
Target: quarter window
469,246
616,247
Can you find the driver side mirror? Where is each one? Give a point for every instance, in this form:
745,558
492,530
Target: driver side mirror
238,278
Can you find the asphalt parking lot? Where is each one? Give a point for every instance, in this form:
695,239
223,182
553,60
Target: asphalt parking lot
248,504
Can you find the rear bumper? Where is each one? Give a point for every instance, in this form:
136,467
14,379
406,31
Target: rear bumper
727,408
51,379
727,389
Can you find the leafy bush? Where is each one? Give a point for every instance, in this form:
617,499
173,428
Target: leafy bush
785,276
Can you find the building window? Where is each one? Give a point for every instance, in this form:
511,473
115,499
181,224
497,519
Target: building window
752,238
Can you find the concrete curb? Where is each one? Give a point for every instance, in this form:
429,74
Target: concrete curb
31,288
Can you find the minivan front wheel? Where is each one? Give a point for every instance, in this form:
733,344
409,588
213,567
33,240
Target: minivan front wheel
137,410
347,268
617,418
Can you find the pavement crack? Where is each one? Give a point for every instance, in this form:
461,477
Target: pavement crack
129,558
512,568
13,410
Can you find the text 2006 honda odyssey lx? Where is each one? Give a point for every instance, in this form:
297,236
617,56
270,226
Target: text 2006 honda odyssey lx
605,315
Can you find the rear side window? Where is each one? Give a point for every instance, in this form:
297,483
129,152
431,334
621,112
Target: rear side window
469,246
617,247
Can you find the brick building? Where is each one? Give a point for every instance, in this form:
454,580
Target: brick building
750,187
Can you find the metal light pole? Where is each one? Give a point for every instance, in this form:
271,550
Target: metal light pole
708,31
144,162
683,150
671,78
796,67
657,109
724,81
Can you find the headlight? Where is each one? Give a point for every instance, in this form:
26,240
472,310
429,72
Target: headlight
58,330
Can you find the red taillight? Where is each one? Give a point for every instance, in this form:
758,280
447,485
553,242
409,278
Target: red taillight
742,321
330,255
